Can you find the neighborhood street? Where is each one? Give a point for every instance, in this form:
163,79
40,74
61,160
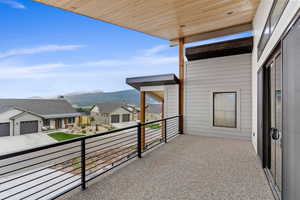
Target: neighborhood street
28,141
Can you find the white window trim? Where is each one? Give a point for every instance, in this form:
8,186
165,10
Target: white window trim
238,112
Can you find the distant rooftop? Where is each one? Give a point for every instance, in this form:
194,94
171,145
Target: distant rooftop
47,108
4,108
110,107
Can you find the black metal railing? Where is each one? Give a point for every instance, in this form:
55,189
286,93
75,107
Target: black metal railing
160,131
50,171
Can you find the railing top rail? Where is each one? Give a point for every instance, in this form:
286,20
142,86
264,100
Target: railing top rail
160,120
40,148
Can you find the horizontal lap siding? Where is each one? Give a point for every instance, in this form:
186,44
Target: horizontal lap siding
171,101
217,74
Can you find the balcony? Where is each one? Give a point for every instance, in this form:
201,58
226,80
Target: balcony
188,167
127,164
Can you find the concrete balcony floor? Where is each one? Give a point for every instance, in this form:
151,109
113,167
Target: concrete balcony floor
187,168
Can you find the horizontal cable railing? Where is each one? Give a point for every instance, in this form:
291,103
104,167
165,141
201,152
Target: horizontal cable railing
50,171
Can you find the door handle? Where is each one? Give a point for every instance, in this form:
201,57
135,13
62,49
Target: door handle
275,134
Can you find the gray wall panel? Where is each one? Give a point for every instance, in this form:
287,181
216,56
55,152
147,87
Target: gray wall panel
217,74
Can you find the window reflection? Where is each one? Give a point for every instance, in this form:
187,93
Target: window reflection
275,14
224,109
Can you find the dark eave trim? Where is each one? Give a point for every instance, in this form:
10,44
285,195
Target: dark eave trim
156,80
220,49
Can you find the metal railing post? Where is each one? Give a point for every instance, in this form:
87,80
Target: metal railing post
83,177
180,121
165,131
139,138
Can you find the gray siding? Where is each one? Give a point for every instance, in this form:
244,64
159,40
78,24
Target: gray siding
171,101
203,77
120,112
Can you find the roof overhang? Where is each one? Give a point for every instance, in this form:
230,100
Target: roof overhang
220,49
65,115
156,80
214,34
152,84
170,20
23,112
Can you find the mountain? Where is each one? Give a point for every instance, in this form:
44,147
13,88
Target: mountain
91,98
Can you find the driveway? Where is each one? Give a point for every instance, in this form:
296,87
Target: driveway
18,143
124,124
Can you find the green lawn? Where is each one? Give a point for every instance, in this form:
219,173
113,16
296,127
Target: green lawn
153,126
60,136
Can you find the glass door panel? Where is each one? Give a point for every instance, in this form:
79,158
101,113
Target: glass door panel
278,117
275,116
272,120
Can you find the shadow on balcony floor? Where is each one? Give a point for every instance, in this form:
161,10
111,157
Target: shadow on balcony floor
188,167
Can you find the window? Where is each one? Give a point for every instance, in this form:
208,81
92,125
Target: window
225,109
104,114
115,118
126,117
273,18
276,13
264,37
71,120
46,122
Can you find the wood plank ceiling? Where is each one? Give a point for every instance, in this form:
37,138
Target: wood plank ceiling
166,19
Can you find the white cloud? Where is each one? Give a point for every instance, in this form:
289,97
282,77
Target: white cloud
147,58
107,63
13,4
135,61
155,50
40,49
134,65
35,71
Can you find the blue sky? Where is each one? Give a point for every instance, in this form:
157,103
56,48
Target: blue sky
45,51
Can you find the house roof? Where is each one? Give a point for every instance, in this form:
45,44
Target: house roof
109,107
4,108
22,114
133,108
42,107
220,49
155,80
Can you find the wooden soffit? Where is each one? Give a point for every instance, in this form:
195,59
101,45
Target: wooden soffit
158,95
166,19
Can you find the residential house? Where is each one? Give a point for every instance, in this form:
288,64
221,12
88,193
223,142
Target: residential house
135,110
111,113
25,116
83,120
153,111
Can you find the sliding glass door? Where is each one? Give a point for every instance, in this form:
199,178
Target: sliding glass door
274,70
